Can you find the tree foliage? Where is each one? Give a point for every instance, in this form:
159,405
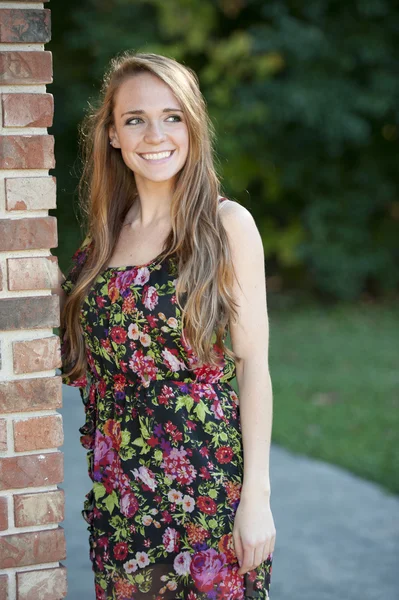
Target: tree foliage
304,97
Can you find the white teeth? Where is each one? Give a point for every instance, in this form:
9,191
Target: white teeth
156,156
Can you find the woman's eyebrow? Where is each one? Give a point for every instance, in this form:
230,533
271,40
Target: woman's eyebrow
142,112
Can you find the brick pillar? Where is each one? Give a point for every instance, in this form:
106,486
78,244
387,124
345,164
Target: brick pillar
31,465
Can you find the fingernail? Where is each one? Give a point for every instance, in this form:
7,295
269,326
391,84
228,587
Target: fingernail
239,562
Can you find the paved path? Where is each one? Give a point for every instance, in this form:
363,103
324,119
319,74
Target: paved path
337,535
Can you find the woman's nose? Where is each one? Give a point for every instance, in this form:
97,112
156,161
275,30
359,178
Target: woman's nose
154,132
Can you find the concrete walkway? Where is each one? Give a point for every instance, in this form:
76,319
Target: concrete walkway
337,535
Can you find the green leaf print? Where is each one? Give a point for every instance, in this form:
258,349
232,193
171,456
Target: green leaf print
111,501
158,455
201,410
184,401
125,438
212,494
145,449
138,442
117,318
143,428
103,584
202,521
127,452
99,490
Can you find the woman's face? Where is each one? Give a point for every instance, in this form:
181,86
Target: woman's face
148,121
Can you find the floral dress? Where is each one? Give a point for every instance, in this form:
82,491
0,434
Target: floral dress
164,445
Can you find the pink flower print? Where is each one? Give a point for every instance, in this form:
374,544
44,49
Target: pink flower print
231,585
175,496
203,390
128,504
170,540
172,322
146,476
188,504
142,559
217,409
142,276
150,297
182,563
144,366
210,373
145,339
207,569
125,279
130,566
171,360
102,446
133,331
178,467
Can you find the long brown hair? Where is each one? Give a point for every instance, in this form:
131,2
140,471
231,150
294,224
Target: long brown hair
198,239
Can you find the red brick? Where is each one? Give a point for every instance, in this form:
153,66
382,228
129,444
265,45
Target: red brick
30,193
32,548
38,433
37,355
25,67
43,584
25,25
27,110
3,513
33,233
39,393
4,587
3,435
30,312
27,152
38,273
41,508
31,470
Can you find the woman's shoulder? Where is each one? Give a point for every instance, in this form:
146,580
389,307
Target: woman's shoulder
238,222
230,209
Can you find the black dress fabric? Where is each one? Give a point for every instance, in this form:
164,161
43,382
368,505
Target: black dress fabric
164,446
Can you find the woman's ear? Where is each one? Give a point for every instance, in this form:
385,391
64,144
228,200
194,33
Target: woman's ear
113,137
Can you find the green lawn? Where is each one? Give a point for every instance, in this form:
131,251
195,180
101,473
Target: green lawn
335,375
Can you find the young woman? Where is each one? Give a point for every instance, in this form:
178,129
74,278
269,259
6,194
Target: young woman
180,503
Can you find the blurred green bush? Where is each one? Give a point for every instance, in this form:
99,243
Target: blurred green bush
304,97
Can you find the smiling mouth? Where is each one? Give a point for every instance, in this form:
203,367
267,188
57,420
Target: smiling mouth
157,156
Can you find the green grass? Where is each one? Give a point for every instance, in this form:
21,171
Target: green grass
335,376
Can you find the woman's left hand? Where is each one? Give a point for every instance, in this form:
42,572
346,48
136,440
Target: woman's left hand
254,533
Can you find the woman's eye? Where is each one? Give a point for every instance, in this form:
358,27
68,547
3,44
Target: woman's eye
130,121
